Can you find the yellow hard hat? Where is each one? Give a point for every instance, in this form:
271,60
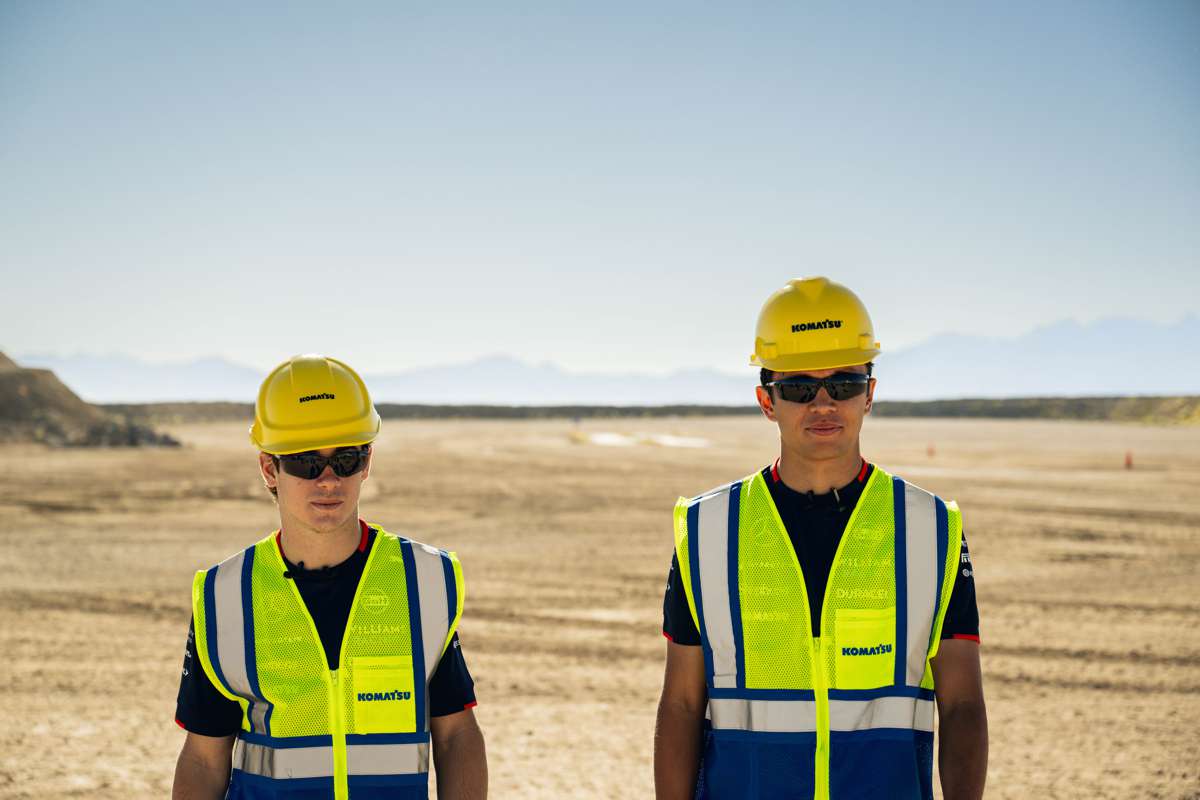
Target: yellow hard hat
813,324
309,402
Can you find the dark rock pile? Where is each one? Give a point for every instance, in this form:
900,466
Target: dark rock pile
35,406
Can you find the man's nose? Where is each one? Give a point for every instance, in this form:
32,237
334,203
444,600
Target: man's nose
823,400
327,477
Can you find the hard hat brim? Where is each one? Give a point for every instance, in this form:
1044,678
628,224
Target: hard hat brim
805,362
282,446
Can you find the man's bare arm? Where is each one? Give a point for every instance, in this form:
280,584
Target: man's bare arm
202,770
678,735
459,757
962,728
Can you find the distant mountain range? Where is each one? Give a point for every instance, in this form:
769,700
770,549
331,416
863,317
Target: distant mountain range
1111,357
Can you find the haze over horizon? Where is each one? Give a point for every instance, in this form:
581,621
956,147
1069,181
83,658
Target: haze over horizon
609,189
1060,360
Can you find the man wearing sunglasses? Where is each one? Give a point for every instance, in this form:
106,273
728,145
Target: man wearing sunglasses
819,609
323,661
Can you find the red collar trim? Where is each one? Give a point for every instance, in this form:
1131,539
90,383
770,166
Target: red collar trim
862,473
362,542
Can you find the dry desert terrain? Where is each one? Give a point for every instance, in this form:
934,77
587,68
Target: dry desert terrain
1087,575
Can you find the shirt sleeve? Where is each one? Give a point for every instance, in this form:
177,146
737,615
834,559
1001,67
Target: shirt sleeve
678,625
451,688
962,614
199,707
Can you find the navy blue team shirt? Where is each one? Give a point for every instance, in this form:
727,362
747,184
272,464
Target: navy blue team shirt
328,593
815,523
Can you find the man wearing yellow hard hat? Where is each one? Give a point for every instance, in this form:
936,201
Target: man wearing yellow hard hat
820,608
323,660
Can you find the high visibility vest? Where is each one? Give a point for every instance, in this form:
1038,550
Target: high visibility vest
360,731
848,714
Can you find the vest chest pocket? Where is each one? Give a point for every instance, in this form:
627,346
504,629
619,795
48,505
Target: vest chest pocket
864,648
382,694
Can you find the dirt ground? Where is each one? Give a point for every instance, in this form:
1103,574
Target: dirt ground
1087,578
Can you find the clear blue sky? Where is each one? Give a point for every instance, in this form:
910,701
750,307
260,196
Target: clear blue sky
601,185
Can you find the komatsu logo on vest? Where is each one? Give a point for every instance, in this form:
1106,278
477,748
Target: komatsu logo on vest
395,694
877,650
800,327
321,396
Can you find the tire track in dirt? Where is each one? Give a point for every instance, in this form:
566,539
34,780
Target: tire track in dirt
1105,656
1130,687
18,600
1154,609
1137,515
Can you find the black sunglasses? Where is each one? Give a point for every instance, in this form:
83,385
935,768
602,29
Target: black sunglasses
310,464
840,385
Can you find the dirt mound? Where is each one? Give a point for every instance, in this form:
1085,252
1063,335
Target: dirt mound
36,406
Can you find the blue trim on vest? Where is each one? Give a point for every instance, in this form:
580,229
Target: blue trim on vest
883,691
943,544
900,654
808,694
451,588
210,626
286,742
761,694
248,639
693,524
420,737
735,597
414,624
876,734
766,737
272,785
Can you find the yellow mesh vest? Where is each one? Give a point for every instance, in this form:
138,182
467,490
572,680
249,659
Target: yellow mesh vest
375,689
858,648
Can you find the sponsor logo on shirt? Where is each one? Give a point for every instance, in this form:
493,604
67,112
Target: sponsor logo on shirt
375,602
877,650
862,594
395,694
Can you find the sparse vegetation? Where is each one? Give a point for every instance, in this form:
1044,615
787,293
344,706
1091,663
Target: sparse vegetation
1153,410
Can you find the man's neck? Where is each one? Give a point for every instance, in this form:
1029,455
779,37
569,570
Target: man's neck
818,476
314,549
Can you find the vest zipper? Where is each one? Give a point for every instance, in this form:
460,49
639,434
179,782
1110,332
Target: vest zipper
341,786
821,695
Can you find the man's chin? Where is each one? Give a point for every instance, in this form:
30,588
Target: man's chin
326,520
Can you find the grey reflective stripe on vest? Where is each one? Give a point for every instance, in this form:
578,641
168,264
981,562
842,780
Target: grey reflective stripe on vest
387,759
283,762
883,712
231,634
713,551
772,716
317,762
924,573
435,605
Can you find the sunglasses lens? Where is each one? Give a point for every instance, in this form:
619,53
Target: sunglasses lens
347,462
841,386
798,392
844,389
302,465
310,465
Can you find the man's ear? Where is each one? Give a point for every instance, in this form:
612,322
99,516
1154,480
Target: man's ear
765,403
266,466
870,395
